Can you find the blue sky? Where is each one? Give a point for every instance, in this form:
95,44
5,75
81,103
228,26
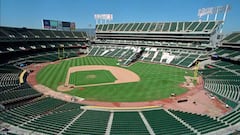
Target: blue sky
29,13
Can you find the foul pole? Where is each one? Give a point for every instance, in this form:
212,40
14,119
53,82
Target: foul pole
61,53
196,71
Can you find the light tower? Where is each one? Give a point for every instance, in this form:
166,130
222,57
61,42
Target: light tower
103,18
214,11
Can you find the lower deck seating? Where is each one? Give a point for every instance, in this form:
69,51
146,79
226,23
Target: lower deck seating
52,123
10,88
184,58
24,113
232,118
163,123
226,88
68,106
6,68
148,56
201,123
158,56
229,53
128,123
190,59
16,95
125,54
9,79
90,122
222,79
52,116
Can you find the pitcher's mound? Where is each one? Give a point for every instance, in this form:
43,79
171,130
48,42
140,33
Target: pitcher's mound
81,88
91,76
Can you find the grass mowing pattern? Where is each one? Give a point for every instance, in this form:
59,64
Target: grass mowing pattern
157,81
91,77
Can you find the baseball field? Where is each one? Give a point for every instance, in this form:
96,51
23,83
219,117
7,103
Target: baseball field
156,81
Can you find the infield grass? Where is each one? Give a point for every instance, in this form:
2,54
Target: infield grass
91,77
157,81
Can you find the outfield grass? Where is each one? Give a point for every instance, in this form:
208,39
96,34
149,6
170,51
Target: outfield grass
91,77
157,81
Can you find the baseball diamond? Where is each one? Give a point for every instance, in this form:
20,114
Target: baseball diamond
84,77
134,83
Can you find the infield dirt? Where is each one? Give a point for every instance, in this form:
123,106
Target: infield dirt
122,76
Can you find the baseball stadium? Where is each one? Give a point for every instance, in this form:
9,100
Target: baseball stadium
128,78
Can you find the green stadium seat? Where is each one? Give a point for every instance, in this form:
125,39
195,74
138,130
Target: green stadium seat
90,122
163,123
128,123
201,123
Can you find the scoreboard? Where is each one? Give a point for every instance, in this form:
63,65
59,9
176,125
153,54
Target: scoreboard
58,25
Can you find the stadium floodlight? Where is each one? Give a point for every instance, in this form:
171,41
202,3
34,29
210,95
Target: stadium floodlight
214,10
103,17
